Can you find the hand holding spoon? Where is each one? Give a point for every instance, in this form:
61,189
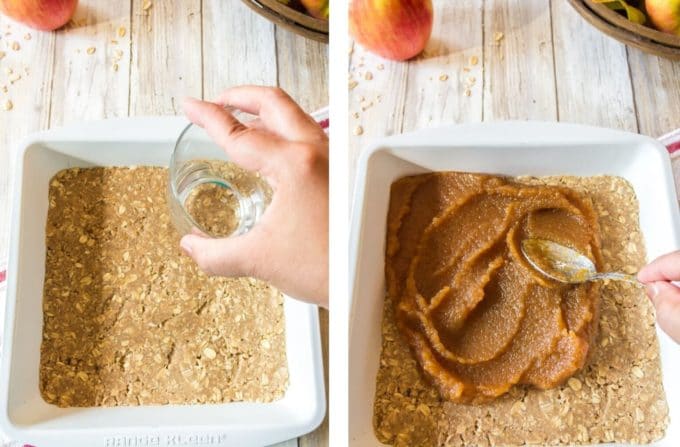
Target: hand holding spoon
566,265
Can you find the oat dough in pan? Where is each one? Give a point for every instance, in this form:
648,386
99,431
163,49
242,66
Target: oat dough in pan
129,320
616,397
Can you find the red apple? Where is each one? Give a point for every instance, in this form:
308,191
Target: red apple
394,29
664,15
317,8
44,15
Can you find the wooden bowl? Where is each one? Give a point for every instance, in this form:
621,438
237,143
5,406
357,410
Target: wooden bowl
291,19
617,26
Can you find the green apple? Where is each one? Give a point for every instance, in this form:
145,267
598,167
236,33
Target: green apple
317,8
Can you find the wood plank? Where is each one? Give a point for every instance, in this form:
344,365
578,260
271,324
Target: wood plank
656,85
593,83
519,77
250,59
92,64
319,437
166,56
30,98
376,105
302,69
444,85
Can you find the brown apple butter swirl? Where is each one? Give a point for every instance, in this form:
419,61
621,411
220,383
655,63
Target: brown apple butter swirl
477,316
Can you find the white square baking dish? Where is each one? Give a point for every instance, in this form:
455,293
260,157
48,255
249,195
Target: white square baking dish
25,417
510,148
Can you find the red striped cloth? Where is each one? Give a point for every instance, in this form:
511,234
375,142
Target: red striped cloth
672,142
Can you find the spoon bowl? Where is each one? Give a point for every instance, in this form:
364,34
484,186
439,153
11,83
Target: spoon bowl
565,264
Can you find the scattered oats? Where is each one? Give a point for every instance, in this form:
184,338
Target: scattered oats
353,84
424,409
517,407
121,31
86,280
637,372
381,67
468,92
2,54
91,50
574,384
209,353
147,5
14,78
27,36
498,36
368,76
474,60
630,269
115,67
9,105
358,130
443,77
16,46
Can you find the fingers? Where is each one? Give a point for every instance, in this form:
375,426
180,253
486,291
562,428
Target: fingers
278,111
663,268
666,300
233,257
246,146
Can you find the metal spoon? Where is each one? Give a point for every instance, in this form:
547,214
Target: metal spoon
566,265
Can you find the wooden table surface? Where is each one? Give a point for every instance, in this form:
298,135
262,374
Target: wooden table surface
536,60
141,57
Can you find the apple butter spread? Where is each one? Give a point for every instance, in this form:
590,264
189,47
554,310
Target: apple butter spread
477,316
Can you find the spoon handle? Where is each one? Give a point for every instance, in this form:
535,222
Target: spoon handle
617,277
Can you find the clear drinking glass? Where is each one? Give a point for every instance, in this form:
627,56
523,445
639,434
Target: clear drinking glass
211,194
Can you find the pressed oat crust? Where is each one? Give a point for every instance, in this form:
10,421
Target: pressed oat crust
129,320
617,397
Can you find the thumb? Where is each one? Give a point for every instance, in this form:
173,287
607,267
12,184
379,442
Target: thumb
666,299
231,257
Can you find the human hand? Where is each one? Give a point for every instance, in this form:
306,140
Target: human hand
288,247
657,277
